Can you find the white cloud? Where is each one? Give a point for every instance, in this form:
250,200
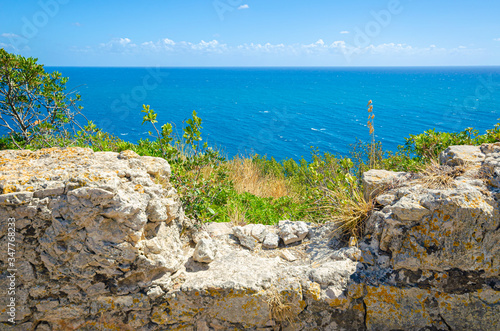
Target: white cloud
344,32
118,45
262,48
496,39
124,41
125,45
245,6
169,42
318,48
9,35
77,24
211,46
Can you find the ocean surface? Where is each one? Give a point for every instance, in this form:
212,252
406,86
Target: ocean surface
281,112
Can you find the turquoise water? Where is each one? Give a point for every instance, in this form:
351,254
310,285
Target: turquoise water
281,112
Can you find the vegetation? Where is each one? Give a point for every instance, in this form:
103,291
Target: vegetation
34,104
35,109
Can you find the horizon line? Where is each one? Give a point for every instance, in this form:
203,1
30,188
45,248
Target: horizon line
269,66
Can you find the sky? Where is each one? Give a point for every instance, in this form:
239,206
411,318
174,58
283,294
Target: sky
253,32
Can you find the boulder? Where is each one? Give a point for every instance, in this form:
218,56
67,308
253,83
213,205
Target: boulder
271,240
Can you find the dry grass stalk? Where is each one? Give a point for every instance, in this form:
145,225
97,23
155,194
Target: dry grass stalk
436,176
236,215
349,210
247,177
485,173
280,311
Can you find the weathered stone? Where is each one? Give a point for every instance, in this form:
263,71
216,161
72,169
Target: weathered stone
88,224
390,308
291,232
219,229
205,251
407,209
271,240
198,235
99,243
259,232
245,237
460,155
386,199
288,255
477,311
375,181
333,273
155,292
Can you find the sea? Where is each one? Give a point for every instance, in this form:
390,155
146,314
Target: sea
283,112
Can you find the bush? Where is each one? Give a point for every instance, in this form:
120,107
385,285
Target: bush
430,144
34,104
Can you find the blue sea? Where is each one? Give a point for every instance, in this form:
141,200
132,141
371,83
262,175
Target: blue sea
281,112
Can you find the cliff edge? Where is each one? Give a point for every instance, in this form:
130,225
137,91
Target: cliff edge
101,242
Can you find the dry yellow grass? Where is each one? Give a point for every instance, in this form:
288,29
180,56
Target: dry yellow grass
280,309
348,209
247,177
436,176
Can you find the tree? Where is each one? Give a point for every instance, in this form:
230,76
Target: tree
34,104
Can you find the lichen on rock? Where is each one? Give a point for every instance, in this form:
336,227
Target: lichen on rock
102,245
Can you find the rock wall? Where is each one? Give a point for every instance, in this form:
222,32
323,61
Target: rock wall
102,243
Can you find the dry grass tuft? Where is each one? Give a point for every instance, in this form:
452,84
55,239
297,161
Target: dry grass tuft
280,309
247,177
236,215
485,173
349,210
436,176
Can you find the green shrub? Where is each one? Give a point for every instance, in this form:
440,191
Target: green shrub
34,104
430,144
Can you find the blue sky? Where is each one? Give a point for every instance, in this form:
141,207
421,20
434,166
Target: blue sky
253,32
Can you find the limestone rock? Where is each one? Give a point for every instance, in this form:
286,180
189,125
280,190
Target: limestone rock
98,222
219,229
99,244
245,237
407,209
288,255
205,251
460,155
271,240
259,232
291,232
375,181
386,199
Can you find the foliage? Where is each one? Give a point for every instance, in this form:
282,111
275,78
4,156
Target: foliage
34,104
430,144
201,194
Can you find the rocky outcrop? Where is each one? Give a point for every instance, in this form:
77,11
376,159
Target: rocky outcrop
440,249
93,233
102,244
